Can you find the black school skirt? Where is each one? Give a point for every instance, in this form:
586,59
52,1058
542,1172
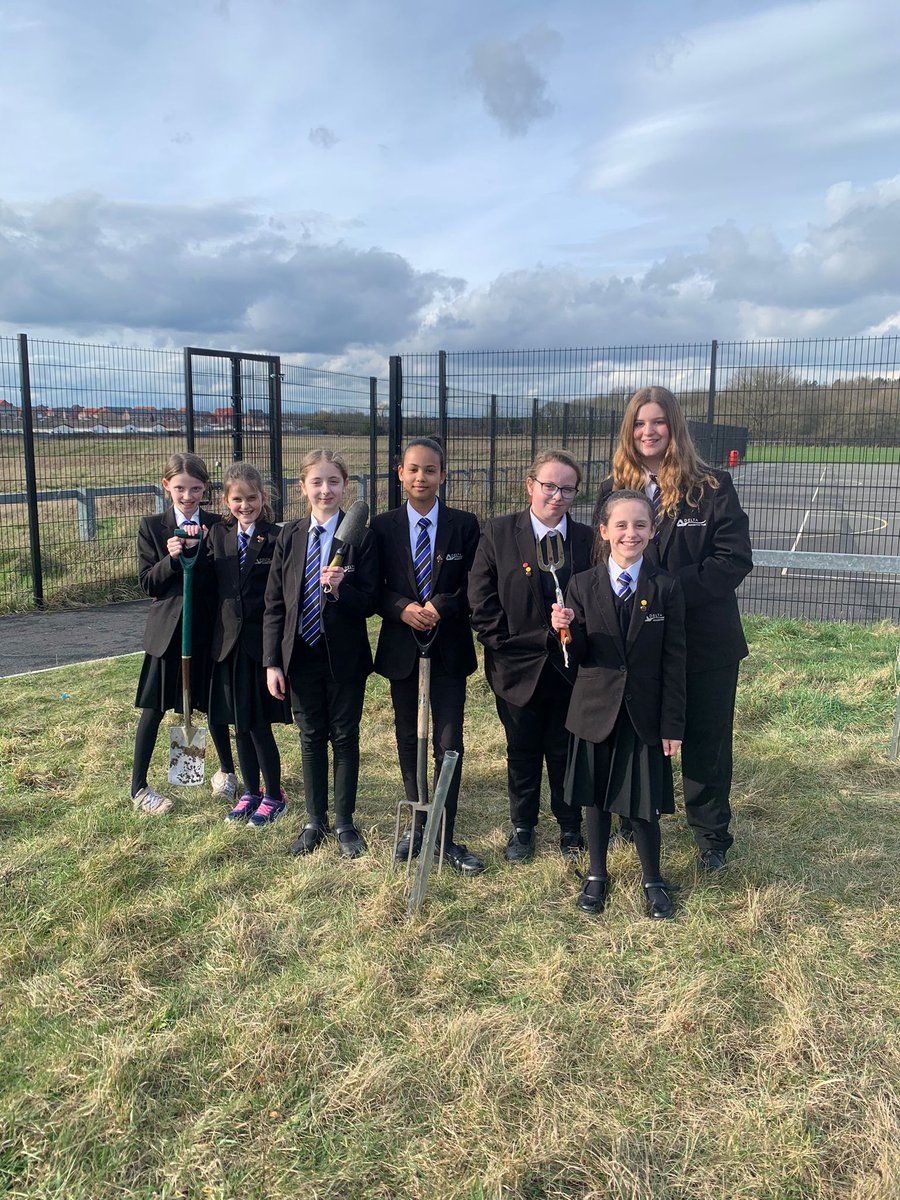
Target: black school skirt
622,775
238,695
159,686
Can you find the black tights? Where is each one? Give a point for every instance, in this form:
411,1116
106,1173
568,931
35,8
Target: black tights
647,841
258,752
145,742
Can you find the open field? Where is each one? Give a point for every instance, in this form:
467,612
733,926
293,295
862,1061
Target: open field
188,1013
824,454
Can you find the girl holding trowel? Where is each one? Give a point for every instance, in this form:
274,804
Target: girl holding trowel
316,648
159,569
426,550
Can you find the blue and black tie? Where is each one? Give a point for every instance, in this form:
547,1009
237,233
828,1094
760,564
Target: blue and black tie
310,615
243,540
422,560
625,581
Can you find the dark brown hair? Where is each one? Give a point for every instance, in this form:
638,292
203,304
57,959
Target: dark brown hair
601,545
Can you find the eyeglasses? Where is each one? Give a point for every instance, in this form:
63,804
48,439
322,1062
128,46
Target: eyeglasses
550,490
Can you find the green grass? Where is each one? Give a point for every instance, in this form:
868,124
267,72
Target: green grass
189,1013
889,455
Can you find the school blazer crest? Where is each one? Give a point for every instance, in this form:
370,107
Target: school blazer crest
644,671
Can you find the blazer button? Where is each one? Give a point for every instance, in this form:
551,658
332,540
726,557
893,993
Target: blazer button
623,668
628,695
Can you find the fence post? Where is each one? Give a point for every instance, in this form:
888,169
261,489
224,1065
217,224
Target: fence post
492,452
442,409
565,428
395,427
34,535
188,400
711,399
589,465
534,421
373,444
237,409
276,439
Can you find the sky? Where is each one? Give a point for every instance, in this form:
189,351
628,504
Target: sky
336,183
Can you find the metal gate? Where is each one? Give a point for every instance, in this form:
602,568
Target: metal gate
233,413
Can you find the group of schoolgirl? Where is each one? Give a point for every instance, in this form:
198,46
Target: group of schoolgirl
603,689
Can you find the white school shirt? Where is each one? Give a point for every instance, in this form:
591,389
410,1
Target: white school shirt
540,529
414,519
615,571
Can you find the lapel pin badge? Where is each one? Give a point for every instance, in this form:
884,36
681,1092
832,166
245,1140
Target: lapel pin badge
527,568
643,604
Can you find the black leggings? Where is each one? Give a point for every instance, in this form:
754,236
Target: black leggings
257,752
647,842
145,743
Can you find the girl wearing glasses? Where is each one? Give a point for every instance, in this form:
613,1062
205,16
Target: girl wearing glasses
703,539
511,598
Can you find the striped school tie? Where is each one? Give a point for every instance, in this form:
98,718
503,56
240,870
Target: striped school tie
422,560
310,615
624,581
243,539
656,498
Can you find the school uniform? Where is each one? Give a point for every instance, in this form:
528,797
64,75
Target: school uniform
511,600
162,578
454,539
328,679
629,692
707,549
238,692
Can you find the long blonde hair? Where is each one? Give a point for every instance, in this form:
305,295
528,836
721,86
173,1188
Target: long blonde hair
682,475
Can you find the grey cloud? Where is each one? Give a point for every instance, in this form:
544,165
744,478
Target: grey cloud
216,272
507,75
323,137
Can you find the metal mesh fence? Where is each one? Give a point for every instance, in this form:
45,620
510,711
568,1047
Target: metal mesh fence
810,430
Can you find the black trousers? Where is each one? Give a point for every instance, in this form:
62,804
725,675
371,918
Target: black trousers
448,699
326,711
536,733
706,755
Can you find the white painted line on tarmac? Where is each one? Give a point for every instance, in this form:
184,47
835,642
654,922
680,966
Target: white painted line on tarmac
806,517
81,662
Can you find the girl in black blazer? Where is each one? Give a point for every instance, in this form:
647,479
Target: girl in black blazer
159,571
316,642
627,712
703,539
241,549
425,551
511,600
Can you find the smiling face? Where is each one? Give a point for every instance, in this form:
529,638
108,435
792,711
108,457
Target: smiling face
651,435
628,530
552,476
421,476
244,502
323,486
185,492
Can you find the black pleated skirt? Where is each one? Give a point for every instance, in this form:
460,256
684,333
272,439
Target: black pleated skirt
622,775
159,686
238,695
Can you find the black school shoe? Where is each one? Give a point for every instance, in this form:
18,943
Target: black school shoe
659,902
520,846
350,841
401,854
711,860
462,860
310,837
592,899
571,843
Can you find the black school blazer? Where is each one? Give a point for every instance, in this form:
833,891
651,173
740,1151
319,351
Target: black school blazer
708,551
343,620
455,542
645,672
508,611
241,594
161,577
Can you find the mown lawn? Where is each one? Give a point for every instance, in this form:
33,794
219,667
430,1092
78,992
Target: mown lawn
824,454
188,1012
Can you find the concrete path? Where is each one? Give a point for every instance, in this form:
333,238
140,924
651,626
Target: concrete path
36,641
